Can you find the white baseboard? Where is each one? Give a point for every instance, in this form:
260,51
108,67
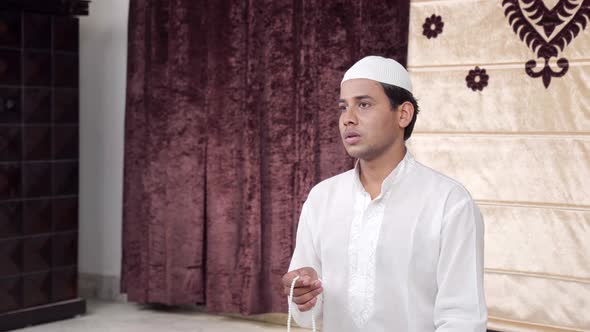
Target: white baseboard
101,287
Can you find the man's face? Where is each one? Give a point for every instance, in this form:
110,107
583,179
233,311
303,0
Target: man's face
368,126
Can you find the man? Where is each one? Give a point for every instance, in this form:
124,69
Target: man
390,245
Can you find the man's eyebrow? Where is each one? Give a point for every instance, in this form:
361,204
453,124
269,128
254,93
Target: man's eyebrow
357,98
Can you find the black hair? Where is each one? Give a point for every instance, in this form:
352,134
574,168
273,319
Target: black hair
398,96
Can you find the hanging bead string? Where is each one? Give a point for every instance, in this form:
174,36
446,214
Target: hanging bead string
290,304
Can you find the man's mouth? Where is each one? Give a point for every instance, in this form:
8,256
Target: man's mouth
351,137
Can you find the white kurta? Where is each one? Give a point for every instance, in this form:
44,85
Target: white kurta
411,260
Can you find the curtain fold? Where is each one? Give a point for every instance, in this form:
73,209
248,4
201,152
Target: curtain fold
231,119
165,145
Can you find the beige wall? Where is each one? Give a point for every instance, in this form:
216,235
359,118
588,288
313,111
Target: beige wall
521,149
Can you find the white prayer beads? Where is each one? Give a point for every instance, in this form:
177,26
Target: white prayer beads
291,303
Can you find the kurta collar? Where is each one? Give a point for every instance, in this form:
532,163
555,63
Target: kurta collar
389,181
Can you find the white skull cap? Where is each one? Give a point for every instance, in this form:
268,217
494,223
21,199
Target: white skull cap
380,69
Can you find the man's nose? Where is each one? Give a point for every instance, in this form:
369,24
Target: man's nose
349,117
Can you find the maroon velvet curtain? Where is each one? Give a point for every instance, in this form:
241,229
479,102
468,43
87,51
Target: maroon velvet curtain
231,119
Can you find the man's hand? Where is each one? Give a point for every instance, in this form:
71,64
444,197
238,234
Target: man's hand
307,287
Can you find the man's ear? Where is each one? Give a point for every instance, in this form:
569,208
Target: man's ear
406,113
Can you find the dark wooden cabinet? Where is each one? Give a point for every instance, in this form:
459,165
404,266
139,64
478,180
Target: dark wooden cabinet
38,162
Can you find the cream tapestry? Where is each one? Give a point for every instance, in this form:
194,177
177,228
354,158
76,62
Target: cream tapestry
504,88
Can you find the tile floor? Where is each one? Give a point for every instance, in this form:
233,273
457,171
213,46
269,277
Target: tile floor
128,317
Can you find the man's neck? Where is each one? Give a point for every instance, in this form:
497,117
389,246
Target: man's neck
373,172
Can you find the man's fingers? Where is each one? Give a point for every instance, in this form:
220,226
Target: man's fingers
307,306
298,291
307,281
303,282
288,278
302,299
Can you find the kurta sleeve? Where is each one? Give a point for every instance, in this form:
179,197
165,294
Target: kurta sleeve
460,302
306,255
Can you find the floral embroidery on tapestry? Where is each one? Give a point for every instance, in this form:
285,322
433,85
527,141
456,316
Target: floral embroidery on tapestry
547,32
477,79
433,26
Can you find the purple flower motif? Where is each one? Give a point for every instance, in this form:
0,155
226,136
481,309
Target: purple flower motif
477,79
433,26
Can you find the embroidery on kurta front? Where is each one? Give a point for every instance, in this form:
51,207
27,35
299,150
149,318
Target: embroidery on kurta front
364,235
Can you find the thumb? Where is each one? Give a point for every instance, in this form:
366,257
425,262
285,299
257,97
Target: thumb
308,276
309,272
289,276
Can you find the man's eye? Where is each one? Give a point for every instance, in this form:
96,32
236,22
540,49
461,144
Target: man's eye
363,105
342,108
